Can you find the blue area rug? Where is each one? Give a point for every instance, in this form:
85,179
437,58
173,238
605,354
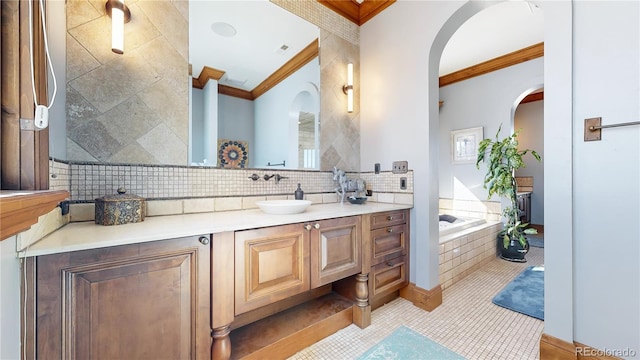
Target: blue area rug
536,241
406,344
525,293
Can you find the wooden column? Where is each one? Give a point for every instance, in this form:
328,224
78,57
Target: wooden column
24,154
362,309
222,293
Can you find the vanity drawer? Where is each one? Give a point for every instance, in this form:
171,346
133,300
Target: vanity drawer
389,276
389,218
388,242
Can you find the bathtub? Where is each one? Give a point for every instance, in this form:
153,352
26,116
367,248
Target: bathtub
459,224
465,245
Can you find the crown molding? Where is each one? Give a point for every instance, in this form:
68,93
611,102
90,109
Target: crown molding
358,13
299,60
207,73
501,62
533,97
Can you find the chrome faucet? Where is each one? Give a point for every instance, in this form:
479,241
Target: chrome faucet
267,177
278,178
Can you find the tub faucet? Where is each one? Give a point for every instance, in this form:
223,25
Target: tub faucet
278,178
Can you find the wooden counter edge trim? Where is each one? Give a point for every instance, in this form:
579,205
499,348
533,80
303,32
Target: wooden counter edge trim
552,348
18,211
424,299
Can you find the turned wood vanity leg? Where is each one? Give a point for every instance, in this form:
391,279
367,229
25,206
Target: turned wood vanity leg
221,348
362,310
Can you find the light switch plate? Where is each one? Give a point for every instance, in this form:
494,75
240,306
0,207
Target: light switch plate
400,167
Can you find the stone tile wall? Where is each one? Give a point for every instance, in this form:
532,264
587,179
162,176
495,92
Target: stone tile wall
323,17
339,130
139,111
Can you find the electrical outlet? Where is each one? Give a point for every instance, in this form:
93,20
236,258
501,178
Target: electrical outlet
400,167
403,183
376,168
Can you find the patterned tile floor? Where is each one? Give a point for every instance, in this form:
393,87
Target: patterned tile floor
467,322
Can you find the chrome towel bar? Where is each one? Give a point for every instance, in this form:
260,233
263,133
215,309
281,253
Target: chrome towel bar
593,128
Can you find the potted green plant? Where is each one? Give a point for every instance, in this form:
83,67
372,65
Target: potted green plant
503,159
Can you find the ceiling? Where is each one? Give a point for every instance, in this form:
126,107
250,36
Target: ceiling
262,28
254,52
496,31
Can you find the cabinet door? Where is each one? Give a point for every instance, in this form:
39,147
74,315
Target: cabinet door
141,301
335,250
271,264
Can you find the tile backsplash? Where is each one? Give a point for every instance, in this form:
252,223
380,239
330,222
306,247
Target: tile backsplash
181,189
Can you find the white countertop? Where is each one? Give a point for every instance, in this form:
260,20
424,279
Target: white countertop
88,235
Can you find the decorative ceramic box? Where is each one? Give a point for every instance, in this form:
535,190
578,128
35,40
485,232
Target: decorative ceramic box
119,209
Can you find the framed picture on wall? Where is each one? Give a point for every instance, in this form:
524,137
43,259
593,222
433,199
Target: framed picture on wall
464,145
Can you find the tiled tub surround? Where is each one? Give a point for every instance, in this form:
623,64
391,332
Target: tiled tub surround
181,189
465,251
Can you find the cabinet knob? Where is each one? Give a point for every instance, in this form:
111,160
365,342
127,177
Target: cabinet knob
389,217
389,230
316,226
204,240
308,227
389,263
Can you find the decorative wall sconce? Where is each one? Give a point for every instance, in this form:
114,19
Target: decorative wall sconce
348,88
120,15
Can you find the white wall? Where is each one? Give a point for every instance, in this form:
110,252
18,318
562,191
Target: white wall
607,175
529,119
276,132
10,329
394,81
196,141
235,121
210,122
401,50
485,101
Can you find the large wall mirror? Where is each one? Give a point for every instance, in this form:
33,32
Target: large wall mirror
135,107
256,101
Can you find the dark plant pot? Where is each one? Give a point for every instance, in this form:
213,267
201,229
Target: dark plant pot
515,252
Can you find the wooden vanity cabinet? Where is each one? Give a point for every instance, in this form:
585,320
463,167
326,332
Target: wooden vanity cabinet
275,263
389,241
271,264
336,247
138,301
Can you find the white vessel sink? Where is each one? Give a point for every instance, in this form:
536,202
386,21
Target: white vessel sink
283,207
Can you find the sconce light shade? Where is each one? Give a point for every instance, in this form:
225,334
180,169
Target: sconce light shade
348,88
120,15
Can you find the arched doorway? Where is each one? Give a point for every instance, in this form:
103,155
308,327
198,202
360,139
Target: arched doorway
558,147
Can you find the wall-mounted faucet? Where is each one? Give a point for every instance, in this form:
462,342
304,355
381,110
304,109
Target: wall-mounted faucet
278,178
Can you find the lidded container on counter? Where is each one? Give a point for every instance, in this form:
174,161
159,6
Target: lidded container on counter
120,208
